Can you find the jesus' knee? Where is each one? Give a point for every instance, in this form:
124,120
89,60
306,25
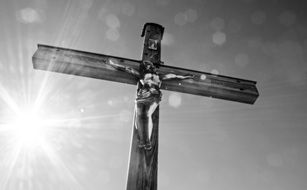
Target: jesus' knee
152,109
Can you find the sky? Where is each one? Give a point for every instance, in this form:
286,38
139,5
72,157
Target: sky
67,132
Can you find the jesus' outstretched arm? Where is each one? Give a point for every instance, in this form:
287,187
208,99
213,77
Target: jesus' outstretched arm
174,76
124,68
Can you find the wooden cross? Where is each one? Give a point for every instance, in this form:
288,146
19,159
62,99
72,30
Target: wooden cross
143,162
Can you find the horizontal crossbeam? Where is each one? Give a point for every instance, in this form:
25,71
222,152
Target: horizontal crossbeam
94,65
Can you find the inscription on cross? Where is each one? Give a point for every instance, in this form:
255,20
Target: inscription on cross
151,76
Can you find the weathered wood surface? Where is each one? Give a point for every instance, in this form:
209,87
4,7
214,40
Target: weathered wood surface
143,164
80,63
94,65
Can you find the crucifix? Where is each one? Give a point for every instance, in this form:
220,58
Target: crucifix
151,76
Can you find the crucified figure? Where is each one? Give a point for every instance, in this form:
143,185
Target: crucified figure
148,96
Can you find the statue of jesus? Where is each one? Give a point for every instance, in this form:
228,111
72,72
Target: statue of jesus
148,96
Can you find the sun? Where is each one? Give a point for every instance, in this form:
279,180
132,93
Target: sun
28,129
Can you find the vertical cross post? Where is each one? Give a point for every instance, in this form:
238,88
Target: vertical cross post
143,164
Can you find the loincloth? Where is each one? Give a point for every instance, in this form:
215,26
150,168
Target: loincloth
148,97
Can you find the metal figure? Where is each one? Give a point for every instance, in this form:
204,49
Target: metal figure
148,96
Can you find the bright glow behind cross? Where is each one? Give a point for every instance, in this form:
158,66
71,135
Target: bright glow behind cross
29,129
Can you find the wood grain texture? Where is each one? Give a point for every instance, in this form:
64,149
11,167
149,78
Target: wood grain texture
86,64
94,65
143,164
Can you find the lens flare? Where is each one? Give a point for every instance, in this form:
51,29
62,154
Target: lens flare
28,129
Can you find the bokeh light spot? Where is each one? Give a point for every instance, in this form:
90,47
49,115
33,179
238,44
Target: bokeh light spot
203,77
191,15
219,38
110,103
28,15
174,100
180,19
214,72
112,21
112,34
287,18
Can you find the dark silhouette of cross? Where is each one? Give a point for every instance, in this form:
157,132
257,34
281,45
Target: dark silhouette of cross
151,76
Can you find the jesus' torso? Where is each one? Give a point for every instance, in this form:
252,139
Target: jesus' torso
153,80
150,87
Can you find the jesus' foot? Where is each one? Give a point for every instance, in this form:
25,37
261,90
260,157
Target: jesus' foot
148,146
142,145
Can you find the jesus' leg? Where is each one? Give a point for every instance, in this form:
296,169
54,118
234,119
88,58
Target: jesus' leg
149,125
151,110
142,123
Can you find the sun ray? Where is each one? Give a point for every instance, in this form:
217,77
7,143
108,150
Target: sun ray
11,164
42,93
30,128
25,133
63,120
61,166
8,99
